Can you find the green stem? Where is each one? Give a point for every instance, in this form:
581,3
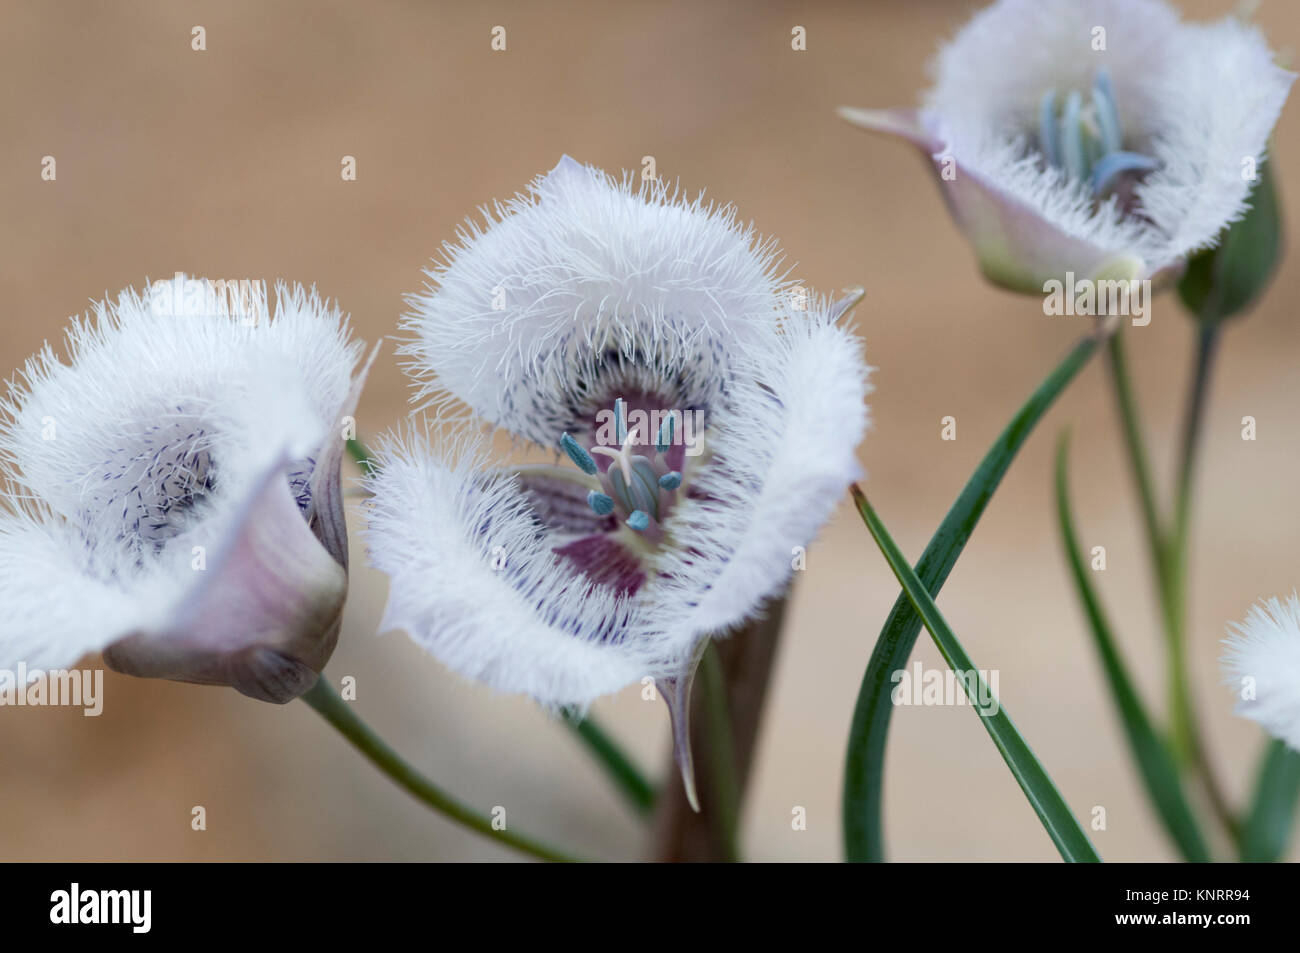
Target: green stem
1177,550
1057,819
339,713
1168,552
1136,445
627,777
1206,348
1180,729
722,750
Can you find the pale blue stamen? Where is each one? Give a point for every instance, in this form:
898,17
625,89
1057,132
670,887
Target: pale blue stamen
622,493
1072,137
644,489
620,420
1047,127
1086,139
1103,102
578,455
1110,167
632,487
665,438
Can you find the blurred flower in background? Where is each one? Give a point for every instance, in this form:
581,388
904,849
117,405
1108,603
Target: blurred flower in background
1104,138
1262,664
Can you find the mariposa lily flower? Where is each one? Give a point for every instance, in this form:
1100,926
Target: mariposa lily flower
1103,138
174,490
706,425
1262,666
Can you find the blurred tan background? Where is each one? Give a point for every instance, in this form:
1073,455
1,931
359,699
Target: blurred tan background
226,163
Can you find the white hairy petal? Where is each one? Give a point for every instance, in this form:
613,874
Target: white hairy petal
474,580
1262,663
581,272
784,454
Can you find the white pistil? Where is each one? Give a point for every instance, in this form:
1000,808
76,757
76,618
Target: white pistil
623,455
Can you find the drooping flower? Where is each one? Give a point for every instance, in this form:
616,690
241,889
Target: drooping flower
1262,666
173,492
706,420
1106,138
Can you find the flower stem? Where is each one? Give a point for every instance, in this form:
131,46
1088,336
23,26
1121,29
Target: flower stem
627,777
1136,446
722,760
1168,551
1177,555
339,713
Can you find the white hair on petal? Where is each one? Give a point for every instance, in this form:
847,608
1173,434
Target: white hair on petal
474,579
582,278
1265,649
782,458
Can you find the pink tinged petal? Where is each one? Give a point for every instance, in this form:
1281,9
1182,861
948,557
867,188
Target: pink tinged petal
903,123
325,515
1016,247
263,617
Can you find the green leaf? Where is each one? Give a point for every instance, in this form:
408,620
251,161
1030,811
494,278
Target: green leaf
1224,281
1060,824
869,731
1268,828
627,777
1154,761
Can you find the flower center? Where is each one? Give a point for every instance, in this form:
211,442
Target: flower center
637,484
1083,137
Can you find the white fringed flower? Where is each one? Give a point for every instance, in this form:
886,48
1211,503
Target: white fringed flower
174,490
1262,665
709,427
1101,137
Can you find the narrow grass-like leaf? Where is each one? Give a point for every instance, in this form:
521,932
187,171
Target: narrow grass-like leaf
1154,760
865,759
1057,819
1268,828
627,777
